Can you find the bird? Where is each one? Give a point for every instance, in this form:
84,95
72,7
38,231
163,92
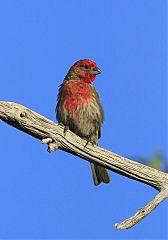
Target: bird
79,109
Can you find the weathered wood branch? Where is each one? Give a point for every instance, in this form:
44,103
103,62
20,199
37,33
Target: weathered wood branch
51,133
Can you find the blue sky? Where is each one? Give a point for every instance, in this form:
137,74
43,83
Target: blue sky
52,195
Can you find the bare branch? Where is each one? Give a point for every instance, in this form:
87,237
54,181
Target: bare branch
143,212
52,134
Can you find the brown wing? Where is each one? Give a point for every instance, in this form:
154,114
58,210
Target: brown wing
96,97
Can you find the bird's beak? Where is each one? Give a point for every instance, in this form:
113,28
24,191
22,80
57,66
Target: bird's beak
96,71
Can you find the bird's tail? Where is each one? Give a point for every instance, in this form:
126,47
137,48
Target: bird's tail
100,174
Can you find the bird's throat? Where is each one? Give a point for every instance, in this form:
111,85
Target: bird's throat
89,79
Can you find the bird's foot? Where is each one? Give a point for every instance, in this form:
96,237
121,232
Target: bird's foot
66,128
87,142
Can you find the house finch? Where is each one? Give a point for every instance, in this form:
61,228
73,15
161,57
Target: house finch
79,109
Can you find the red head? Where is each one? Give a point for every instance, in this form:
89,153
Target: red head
85,70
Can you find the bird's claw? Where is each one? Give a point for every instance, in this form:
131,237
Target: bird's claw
66,128
87,142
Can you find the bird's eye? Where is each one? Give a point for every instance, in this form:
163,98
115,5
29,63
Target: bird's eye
86,67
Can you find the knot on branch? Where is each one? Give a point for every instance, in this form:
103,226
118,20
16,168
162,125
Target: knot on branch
23,114
52,145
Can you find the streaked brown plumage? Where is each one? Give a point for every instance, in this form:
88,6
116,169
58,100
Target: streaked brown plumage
79,109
